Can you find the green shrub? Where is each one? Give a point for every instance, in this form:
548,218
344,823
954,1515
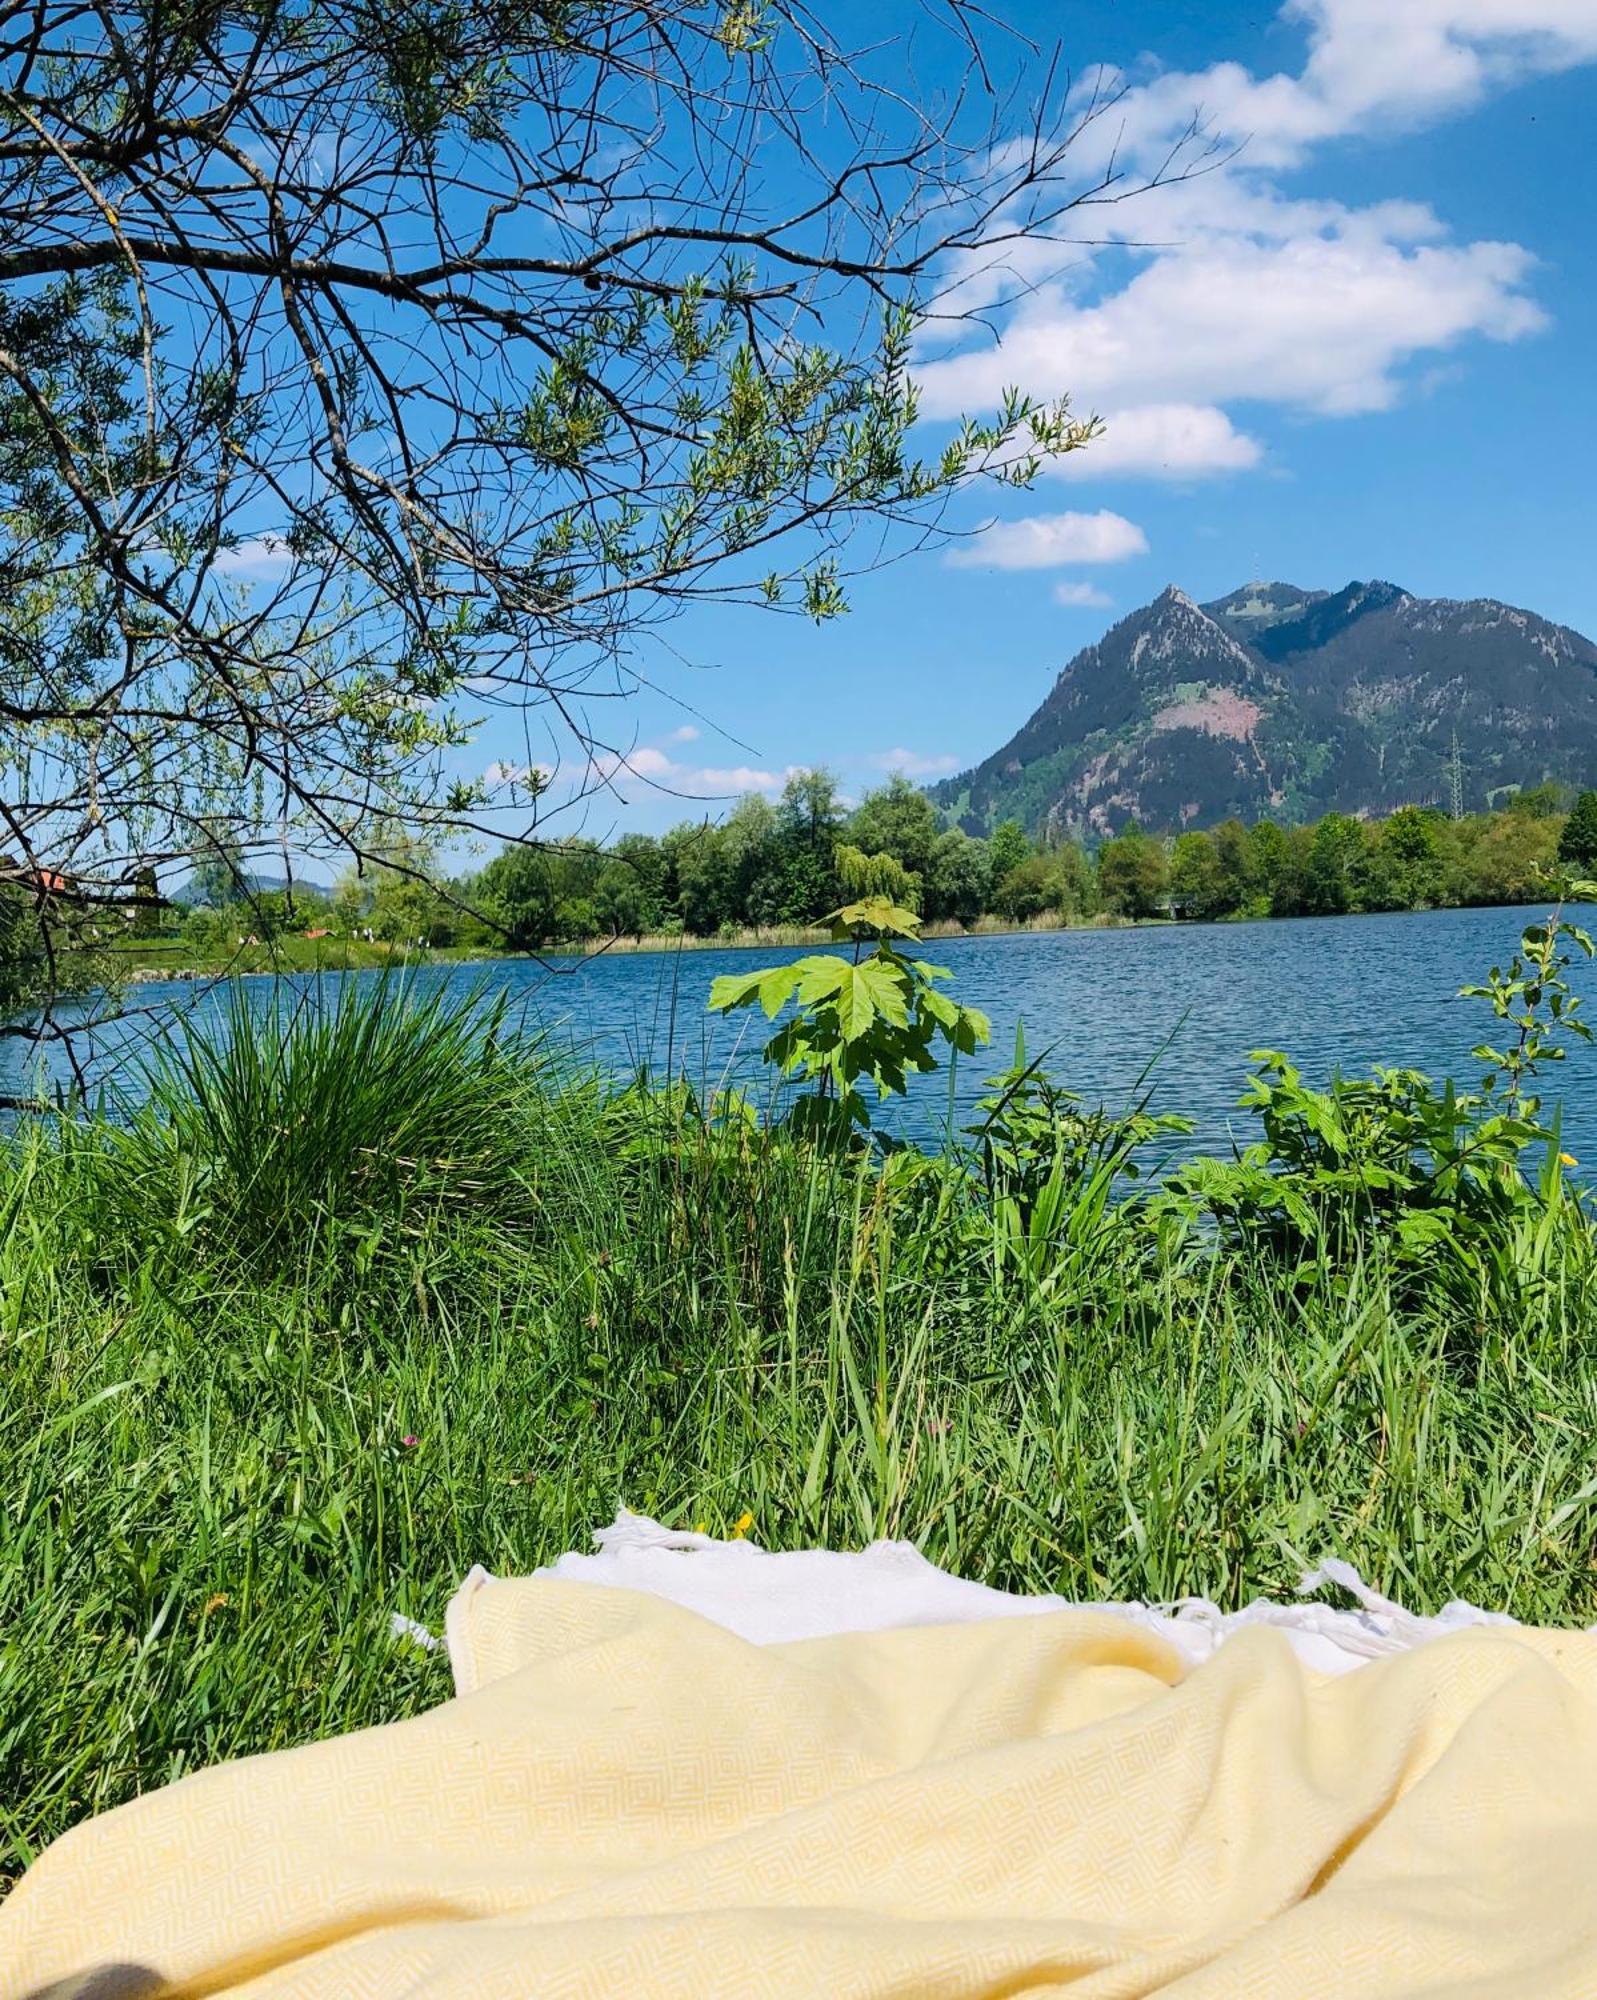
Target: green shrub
330,1123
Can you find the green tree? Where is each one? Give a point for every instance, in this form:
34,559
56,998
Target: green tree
210,932
20,969
1078,886
517,891
809,811
1541,801
1410,845
347,468
873,1018
1275,870
1234,861
352,899
626,895
1196,884
621,901
1512,858
576,920
897,819
1336,846
408,911
802,879
959,878
1007,847
148,907
699,858
753,850
876,876
219,877
1133,874
1577,844
1031,887
269,914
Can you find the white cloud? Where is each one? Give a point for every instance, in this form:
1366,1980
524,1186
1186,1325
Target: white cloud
1373,65
261,555
1047,541
685,734
914,763
658,771
737,778
1086,595
1162,441
645,762
1320,323
1225,288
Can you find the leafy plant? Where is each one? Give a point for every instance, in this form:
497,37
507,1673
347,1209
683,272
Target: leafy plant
1050,1167
1426,1176
873,1018
1533,1000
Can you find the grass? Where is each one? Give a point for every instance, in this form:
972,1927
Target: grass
180,958
173,957
333,1232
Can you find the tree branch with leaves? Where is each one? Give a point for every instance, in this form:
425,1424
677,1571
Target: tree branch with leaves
366,369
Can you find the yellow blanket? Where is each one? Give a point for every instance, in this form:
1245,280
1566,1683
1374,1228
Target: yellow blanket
633,1802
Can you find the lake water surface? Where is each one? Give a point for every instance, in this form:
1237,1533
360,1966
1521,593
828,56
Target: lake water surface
1334,993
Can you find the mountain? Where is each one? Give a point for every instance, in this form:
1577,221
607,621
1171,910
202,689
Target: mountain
190,895
1291,703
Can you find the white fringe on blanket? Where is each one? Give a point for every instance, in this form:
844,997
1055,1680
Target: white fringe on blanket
768,1597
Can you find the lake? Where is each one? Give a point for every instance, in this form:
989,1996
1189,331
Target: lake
1333,993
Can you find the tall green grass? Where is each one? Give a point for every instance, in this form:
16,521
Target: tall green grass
223,1322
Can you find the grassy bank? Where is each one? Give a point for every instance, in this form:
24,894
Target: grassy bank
351,1308
779,937
178,958
174,958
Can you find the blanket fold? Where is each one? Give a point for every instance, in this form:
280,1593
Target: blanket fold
634,1800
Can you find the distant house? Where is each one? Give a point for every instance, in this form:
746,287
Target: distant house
42,881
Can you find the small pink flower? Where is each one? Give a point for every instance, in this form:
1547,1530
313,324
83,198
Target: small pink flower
409,1439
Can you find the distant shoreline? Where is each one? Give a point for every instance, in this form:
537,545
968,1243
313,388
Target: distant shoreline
788,937
289,955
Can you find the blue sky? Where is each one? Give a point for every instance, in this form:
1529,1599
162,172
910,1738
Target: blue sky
1367,346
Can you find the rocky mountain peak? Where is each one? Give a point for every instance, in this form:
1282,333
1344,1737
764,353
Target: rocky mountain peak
1276,700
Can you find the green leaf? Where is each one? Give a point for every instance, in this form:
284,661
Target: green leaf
734,989
885,989
877,913
776,988
820,976
856,1009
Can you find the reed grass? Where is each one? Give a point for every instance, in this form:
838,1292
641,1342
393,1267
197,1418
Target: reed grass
373,1292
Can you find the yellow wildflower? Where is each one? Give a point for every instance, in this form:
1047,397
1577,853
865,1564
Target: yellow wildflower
742,1524
1568,1160
217,1601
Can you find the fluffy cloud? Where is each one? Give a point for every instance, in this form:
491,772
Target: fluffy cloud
737,778
1373,66
1048,541
261,555
914,763
658,771
1251,294
1082,595
1319,323
1163,441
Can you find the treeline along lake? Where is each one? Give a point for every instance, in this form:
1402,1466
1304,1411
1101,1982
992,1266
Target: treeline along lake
1180,1005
